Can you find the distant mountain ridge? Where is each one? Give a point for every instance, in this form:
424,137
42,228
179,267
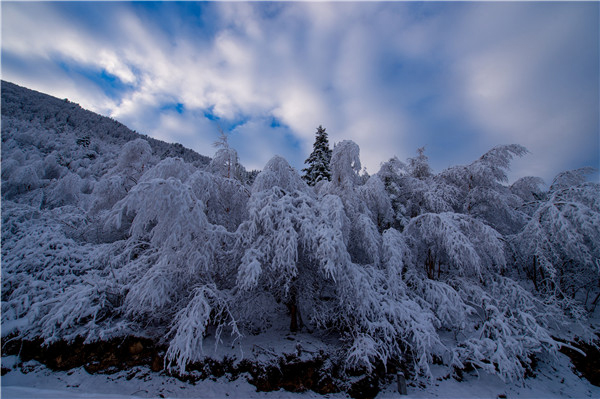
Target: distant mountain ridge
63,115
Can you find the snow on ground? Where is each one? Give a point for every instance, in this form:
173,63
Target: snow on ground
37,381
34,380
556,381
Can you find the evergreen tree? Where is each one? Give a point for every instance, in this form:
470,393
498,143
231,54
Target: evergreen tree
318,161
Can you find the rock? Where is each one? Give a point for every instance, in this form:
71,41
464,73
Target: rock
136,348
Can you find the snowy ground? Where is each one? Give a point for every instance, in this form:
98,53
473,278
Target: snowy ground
33,380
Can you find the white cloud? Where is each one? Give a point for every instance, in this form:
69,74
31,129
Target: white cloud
521,81
508,72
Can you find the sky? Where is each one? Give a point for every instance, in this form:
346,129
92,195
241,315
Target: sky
457,78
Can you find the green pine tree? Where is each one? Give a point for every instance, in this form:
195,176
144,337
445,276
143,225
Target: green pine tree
319,160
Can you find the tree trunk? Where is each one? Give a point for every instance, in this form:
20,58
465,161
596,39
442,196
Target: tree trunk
293,308
430,265
293,314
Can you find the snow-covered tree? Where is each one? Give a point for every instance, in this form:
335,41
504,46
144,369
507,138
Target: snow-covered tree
225,160
460,243
318,161
418,167
135,158
528,188
345,165
412,196
366,204
279,238
480,192
558,247
123,235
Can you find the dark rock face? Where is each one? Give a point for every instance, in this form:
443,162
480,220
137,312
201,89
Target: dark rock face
97,357
589,365
287,371
366,387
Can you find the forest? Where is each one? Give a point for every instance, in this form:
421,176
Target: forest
107,234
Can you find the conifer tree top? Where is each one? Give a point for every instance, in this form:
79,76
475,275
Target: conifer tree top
319,160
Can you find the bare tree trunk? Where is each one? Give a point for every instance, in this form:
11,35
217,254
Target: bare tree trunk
293,308
430,265
294,319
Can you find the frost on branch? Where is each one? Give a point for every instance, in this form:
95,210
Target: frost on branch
207,304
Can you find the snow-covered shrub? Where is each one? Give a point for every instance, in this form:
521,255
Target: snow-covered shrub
88,309
382,321
52,170
278,173
497,207
169,167
66,191
570,178
9,166
44,274
479,190
411,196
488,171
107,192
513,326
377,202
345,164
20,181
134,158
528,188
418,167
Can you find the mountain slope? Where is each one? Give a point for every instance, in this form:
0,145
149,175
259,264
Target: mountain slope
67,118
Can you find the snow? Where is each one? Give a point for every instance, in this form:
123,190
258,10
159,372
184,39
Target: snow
137,383
33,380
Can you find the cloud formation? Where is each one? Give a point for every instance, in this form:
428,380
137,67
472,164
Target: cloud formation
458,78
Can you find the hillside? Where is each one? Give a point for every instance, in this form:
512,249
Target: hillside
123,254
66,120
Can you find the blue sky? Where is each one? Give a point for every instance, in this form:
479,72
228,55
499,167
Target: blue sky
457,78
